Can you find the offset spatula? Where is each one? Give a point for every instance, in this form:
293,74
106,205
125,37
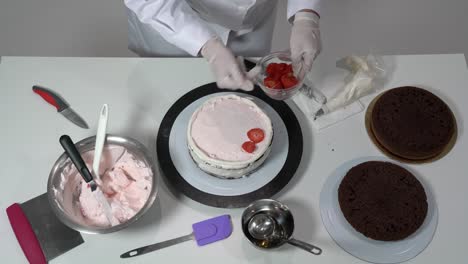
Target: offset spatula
40,233
204,232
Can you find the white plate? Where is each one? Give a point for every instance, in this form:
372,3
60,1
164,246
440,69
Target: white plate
359,245
204,182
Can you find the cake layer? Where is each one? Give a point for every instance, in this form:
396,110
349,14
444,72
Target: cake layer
229,173
383,201
217,130
412,123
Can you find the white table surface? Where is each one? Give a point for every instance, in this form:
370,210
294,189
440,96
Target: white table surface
140,91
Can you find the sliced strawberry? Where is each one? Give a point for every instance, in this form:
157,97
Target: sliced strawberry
272,83
276,76
256,135
288,68
271,68
282,67
248,146
288,81
287,74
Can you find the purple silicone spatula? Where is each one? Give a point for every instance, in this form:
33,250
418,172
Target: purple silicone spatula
204,232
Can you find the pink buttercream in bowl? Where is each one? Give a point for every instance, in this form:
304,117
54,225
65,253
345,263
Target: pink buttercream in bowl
128,182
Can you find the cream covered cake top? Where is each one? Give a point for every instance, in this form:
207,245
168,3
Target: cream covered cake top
219,128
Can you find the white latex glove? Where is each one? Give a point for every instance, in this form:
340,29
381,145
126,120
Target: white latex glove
305,38
227,70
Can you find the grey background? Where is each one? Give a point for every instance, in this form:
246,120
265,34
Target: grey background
99,28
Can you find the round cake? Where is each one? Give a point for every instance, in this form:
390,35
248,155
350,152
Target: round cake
412,123
383,201
229,136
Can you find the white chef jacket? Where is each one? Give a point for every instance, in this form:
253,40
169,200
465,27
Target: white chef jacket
189,24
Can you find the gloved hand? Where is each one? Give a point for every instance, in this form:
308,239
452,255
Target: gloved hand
228,71
305,38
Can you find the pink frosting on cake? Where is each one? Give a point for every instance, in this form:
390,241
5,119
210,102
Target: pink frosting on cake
220,127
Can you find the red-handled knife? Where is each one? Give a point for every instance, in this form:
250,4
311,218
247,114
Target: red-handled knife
62,106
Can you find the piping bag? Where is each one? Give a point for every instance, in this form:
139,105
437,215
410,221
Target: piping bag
365,76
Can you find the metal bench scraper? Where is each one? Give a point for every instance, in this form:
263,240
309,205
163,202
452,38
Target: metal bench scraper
40,233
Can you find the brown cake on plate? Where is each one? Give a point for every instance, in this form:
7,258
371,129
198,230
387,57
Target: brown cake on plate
382,200
412,123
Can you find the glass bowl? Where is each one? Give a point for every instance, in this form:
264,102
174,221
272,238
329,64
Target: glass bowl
64,204
280,57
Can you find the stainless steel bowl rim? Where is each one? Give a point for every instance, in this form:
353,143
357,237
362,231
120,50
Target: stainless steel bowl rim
86,145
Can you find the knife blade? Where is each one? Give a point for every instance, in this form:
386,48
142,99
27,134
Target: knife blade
61,105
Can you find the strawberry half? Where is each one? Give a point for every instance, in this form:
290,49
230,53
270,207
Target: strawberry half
256,135
272,83
288,80
271,68
282,67
248,146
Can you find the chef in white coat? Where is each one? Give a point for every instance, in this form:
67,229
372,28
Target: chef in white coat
218,29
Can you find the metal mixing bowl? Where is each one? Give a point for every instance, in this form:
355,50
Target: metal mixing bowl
63,208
